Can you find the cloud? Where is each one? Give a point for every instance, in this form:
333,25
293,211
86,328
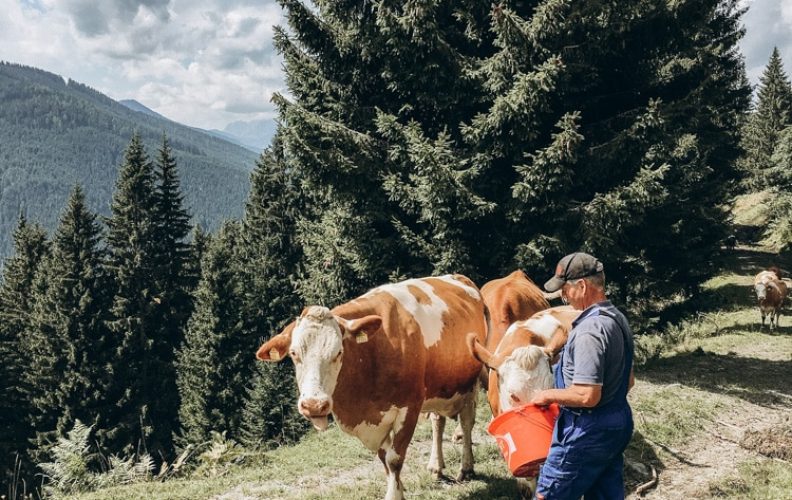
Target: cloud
768,24
201,62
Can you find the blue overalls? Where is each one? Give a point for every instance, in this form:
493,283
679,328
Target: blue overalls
586,451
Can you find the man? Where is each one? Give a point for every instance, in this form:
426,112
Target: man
592,378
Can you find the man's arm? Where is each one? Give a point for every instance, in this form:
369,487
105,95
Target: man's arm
575,396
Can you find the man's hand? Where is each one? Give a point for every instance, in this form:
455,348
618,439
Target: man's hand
542,399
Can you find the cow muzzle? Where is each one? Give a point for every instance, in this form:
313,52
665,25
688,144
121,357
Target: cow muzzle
317,411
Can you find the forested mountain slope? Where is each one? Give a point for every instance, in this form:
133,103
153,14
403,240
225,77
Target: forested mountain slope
55,134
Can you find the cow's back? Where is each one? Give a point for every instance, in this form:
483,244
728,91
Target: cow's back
509,299
419,354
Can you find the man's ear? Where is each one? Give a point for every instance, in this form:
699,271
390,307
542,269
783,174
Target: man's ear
276,348
362,327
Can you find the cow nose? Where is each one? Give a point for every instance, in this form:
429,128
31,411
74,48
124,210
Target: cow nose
315,407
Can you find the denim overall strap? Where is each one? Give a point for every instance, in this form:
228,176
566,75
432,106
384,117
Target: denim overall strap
558,373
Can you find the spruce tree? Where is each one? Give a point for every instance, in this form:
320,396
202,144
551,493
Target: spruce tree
16,304
271,299
773,113
71,351
174,281
143,389
216,359
376,91
459,137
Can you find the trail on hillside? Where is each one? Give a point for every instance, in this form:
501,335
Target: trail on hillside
755,378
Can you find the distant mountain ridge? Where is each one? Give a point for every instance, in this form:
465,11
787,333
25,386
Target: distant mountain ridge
254,135
55,133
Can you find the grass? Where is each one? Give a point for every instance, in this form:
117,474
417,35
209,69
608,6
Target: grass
756,480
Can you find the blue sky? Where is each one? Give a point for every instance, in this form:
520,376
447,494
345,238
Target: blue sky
206,63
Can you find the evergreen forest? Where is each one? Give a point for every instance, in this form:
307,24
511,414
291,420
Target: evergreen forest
55,134
416,138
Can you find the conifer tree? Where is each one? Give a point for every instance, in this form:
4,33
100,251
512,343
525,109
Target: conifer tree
773,114
377,90
69,375
216,359
144,398
271,299
16,303
174,283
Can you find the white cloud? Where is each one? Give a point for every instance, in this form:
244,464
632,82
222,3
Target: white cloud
201,62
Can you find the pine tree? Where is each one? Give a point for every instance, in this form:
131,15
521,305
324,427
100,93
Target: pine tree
608,134
16,303
378,90
773,113
271,298
457,137
216,359
71,352
141,392
174,283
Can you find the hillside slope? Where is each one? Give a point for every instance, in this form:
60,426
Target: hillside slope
54,134
712,408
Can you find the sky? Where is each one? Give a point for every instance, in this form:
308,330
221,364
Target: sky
207,63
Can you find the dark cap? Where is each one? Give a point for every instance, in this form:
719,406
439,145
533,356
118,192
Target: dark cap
572,267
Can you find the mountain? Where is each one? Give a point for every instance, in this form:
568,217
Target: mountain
255,134
136,106
56,133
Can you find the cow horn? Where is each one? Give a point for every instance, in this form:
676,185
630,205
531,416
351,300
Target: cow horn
552,296
480,352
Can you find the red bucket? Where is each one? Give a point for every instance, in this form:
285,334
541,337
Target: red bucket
523,435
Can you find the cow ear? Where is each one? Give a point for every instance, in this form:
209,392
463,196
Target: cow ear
276,348
480,352
362,328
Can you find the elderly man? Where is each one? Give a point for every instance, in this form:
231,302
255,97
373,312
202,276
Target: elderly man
592,378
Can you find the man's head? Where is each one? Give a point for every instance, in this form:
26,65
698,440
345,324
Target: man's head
581,279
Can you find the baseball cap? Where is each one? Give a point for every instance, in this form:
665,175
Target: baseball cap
572,267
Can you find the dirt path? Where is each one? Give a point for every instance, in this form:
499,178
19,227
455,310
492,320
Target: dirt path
749,369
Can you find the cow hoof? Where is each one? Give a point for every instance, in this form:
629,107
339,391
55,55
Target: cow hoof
465,475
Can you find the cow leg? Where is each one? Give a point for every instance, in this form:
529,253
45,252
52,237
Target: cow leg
395,450
467,418
436,462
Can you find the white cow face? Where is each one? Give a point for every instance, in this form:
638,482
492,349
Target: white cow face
761,291
317,351
521,375
315,342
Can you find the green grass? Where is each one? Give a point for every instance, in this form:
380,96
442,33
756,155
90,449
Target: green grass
756,480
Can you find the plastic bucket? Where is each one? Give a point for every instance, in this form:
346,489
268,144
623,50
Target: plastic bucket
523,435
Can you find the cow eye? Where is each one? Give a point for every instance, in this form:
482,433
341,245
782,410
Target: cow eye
295,357
338,356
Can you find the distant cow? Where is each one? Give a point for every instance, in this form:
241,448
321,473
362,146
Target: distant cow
730,242
380,360
771,293
522,359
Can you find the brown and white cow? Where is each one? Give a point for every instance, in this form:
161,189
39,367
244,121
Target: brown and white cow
380,360
771,292
520,364
522,359
509,299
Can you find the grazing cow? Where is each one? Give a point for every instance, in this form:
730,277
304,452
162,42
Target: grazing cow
521,360
380,360
771,293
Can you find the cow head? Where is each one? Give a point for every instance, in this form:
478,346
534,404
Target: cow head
521,373
315,342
